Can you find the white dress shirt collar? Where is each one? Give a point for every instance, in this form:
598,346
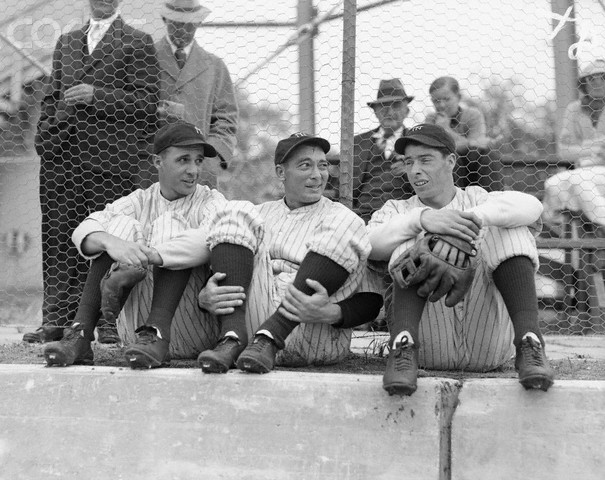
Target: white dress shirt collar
186,49
102,25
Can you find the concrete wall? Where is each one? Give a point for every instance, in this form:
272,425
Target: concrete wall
101,422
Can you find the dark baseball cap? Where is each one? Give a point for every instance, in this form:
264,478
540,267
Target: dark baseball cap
285,146
426,134
181,134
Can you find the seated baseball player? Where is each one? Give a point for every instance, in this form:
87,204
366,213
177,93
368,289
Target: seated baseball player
309,263
463,262
149,261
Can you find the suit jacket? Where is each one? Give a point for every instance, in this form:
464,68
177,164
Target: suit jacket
204,86
373,182
113,135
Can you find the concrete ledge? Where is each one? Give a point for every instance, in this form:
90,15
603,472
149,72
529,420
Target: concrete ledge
501,431
102,422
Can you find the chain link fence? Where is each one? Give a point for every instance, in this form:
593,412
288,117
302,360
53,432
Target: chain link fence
500,74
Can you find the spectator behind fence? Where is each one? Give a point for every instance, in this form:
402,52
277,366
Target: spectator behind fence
499,310
476,164
195,84
377,170
98,116
582,143
308,284
148,261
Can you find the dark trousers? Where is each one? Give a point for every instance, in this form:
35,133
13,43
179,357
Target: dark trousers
67,196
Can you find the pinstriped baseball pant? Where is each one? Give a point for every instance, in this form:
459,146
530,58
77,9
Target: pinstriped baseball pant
476,334
241,223
193,330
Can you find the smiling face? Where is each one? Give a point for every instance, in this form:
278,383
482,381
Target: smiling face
431,174
101,9
445,101
304,175
179,170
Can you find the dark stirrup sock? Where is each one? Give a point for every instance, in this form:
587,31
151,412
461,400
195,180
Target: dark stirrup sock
515,280
237,262
168,288
316,267
363,307
89,308
407,311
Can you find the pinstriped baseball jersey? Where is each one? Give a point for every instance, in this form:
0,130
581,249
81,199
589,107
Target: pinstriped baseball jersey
280,238
147,218
477,333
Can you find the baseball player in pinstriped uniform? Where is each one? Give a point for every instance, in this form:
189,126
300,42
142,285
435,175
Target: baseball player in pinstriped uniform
162,227
307,250
500,310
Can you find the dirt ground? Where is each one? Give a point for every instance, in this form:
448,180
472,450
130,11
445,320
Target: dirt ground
366,364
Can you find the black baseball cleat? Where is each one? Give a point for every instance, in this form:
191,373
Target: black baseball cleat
222,358
44,334
149,351
532,364
108,334
400,377
72,349
259,356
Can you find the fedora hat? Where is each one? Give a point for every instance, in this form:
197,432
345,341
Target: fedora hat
592,68
390,91
184,11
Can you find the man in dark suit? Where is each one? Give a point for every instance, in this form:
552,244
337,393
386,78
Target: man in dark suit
195,85
378,173
94,137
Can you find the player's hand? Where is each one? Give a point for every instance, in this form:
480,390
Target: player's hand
79,94
127,252
317,308
220,300
153,256
464,225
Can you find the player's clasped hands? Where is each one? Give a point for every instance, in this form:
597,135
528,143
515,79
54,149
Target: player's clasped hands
133,253
464,225
220,300
82,93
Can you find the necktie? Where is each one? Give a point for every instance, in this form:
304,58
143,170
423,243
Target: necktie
94,36
181,57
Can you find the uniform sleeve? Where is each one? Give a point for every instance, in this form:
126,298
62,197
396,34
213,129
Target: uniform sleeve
392,225
508,209
187,250
98,221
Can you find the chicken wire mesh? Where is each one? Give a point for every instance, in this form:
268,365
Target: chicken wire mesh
488,71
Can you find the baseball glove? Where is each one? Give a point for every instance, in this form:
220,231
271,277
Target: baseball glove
439,264
119,279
